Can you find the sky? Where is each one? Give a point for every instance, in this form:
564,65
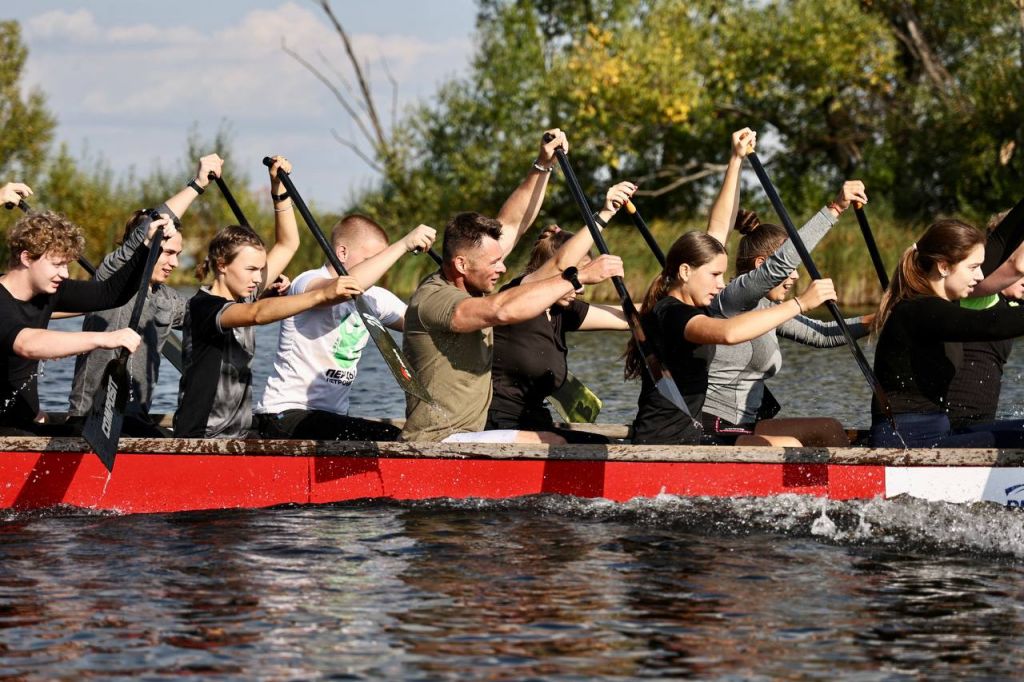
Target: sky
128,80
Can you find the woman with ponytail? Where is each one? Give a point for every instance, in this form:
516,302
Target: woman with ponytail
920,325
530,358
738,406
214,395
677,319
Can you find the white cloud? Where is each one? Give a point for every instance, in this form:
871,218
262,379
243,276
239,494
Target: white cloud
145,79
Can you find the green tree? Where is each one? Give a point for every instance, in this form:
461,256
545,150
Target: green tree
26,127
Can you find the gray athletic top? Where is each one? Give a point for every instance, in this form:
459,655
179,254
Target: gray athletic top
164,309
736,374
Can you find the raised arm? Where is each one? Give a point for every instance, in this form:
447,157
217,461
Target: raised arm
528,300
745,291
286,229
727,204
368,272
267,310
752,324
523,205
179,203
573,251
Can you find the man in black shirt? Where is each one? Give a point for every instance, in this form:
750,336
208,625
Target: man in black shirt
36,285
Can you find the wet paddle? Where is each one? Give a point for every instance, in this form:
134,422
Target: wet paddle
389,350
171,348
869,240
812,270
658,373
103,424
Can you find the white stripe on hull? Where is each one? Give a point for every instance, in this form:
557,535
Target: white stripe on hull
1002,485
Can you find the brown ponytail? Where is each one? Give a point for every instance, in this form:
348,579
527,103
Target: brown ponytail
224,246
693,248
548,242
946,241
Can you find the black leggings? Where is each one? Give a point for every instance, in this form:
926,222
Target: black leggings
323,425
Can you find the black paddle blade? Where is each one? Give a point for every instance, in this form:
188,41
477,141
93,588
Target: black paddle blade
103,425
392,355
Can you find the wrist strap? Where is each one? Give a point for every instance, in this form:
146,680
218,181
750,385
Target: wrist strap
599,220
278,198
195,185
543,169
799,305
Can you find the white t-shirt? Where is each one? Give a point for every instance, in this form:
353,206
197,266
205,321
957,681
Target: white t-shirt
318,351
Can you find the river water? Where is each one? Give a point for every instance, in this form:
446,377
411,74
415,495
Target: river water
543,587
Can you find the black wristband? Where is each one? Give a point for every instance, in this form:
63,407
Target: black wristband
195,185
599,220
278,198
571,275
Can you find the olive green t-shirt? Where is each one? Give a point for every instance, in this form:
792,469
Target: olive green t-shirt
454,367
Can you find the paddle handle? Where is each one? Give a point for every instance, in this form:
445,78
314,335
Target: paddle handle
430,252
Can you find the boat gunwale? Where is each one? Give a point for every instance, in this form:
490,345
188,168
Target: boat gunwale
615,452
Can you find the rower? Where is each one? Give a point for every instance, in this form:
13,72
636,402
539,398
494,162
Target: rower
35,285
449,323
307,392
164,311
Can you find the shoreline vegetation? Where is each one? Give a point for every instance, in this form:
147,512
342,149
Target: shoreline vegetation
921,101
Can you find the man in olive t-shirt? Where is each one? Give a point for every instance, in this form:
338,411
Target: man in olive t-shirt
448,336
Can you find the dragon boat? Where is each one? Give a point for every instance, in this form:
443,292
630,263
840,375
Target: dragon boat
170,475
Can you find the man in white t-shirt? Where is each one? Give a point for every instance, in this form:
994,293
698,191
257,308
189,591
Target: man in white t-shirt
307,393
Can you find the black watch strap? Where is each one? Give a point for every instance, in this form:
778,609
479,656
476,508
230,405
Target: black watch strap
195,185
599,220
572,275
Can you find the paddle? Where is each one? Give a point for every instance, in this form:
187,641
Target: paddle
172,347
658,373
230,199
869,239
805,257
103,424
389,350
645,232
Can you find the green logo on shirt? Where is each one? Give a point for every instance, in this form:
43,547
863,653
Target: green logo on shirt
352,338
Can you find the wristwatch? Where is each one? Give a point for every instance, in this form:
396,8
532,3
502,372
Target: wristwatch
194,184
572,275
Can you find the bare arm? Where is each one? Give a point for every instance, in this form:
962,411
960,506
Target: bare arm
754,323
727,204
527,300
372,269
573,251
267,310
179,203
604,318
523,205
286,229
1006,274
46,344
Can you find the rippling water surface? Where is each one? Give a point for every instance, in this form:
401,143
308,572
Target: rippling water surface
534,588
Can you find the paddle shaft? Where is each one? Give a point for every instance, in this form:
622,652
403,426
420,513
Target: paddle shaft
869,240
172,349
812,269
659,375
230,198
645,232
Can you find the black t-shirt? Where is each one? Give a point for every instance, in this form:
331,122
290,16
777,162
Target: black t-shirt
215,392
658,421
920,348
19,392
973,396
529,365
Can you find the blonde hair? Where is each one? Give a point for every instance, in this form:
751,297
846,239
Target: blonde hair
225,245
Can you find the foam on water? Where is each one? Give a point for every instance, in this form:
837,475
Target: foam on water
904,522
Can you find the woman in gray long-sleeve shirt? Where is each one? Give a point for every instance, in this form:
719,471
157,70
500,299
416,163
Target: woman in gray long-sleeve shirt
738,404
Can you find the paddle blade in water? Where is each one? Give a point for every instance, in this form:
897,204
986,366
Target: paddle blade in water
390,352
103,425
